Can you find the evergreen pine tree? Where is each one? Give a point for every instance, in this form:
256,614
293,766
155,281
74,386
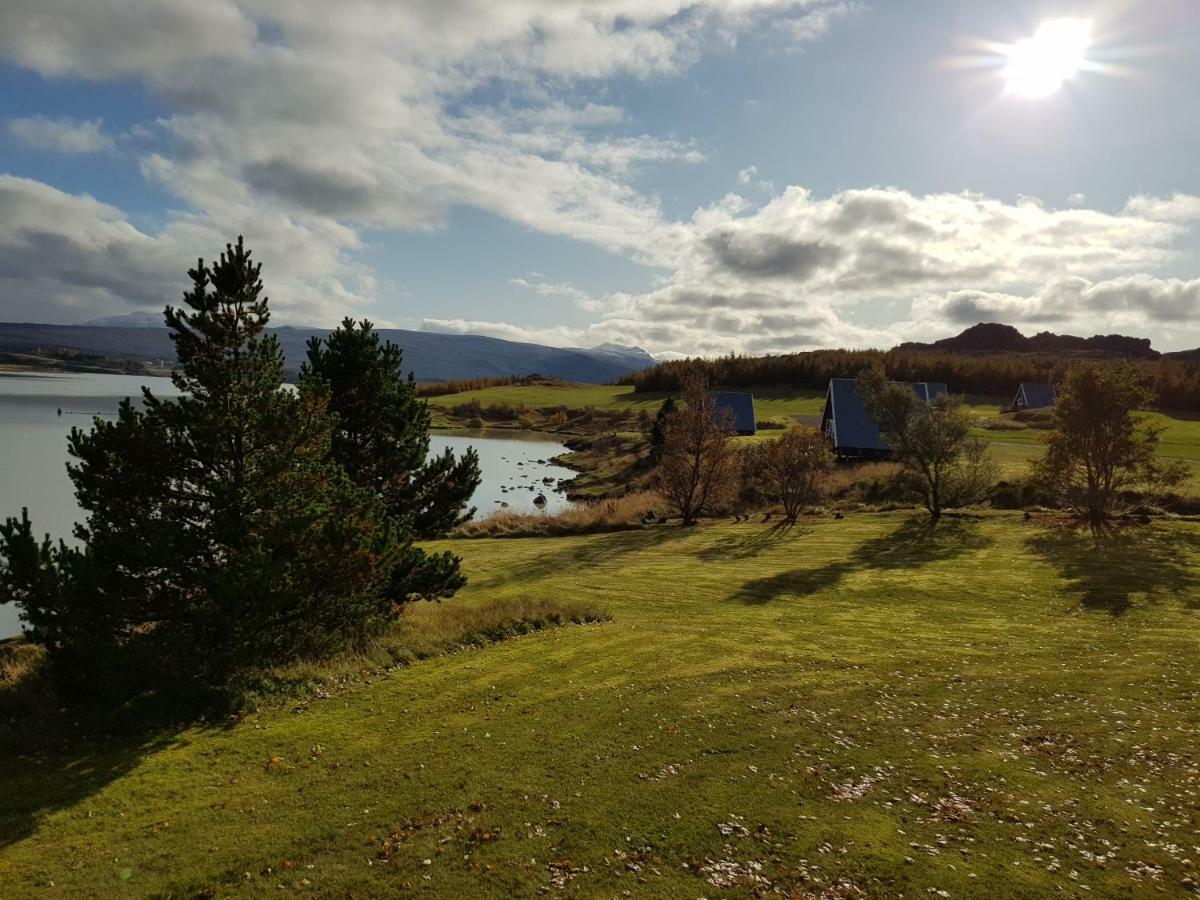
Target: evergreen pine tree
382,432
658,431
219,533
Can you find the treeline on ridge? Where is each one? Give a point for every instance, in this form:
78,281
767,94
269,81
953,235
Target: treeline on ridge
1174,384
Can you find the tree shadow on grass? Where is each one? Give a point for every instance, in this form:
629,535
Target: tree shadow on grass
1105,568
571,553
916,542
55,755
745,546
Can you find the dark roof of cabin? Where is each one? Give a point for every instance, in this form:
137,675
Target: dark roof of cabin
1037,396
852,426
742,407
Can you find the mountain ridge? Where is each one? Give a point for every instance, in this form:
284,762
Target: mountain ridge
996,337
431,356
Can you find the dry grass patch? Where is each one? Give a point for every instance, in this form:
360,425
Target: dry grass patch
590,517
17,660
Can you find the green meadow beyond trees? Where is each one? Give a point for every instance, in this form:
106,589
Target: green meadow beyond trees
228,530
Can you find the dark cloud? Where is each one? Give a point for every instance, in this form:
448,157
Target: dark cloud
886,265
770,256
327,192
861,211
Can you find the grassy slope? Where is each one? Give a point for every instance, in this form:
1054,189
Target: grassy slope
1013,450
769,402
983,711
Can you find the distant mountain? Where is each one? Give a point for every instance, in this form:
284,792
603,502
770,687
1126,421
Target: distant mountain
130,320
430,355
993,337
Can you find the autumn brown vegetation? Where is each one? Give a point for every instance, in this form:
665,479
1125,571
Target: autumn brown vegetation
698,472
1173,384
792,469
458,385
585,517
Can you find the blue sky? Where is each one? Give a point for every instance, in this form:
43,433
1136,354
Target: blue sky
689,175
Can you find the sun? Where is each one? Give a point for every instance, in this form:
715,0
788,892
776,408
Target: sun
1039,65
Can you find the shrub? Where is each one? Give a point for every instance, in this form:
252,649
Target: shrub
931,439
1019,495
793,466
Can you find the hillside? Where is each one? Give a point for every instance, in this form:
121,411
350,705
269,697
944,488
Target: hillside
850,708
430,355
993,337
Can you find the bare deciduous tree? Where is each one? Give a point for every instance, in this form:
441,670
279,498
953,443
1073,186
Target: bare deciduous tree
699,468
792,468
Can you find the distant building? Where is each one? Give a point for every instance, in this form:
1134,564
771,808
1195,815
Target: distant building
853,433
741,407
1034,396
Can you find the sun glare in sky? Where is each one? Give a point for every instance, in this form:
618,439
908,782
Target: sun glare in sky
1038,66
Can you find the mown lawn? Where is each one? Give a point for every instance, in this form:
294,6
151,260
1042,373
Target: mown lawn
1015,449
996,708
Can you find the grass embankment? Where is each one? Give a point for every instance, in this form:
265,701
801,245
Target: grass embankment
993,709
34,717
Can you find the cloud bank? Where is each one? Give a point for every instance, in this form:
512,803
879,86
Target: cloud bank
306,129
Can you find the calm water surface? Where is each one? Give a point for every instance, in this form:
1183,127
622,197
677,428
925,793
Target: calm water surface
33,451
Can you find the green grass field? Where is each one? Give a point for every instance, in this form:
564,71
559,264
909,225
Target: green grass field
996,708
1013,450
573,396
769,402
1180,439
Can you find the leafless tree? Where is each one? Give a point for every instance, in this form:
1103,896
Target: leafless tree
699,468
792,468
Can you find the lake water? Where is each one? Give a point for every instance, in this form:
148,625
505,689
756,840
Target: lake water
33,452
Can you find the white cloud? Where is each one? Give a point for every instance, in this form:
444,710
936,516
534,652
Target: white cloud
61,135
364,113
301,127
109,38
67,257
554,289
803,271
747,177
1132,300
1177,208
557,336
814,24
